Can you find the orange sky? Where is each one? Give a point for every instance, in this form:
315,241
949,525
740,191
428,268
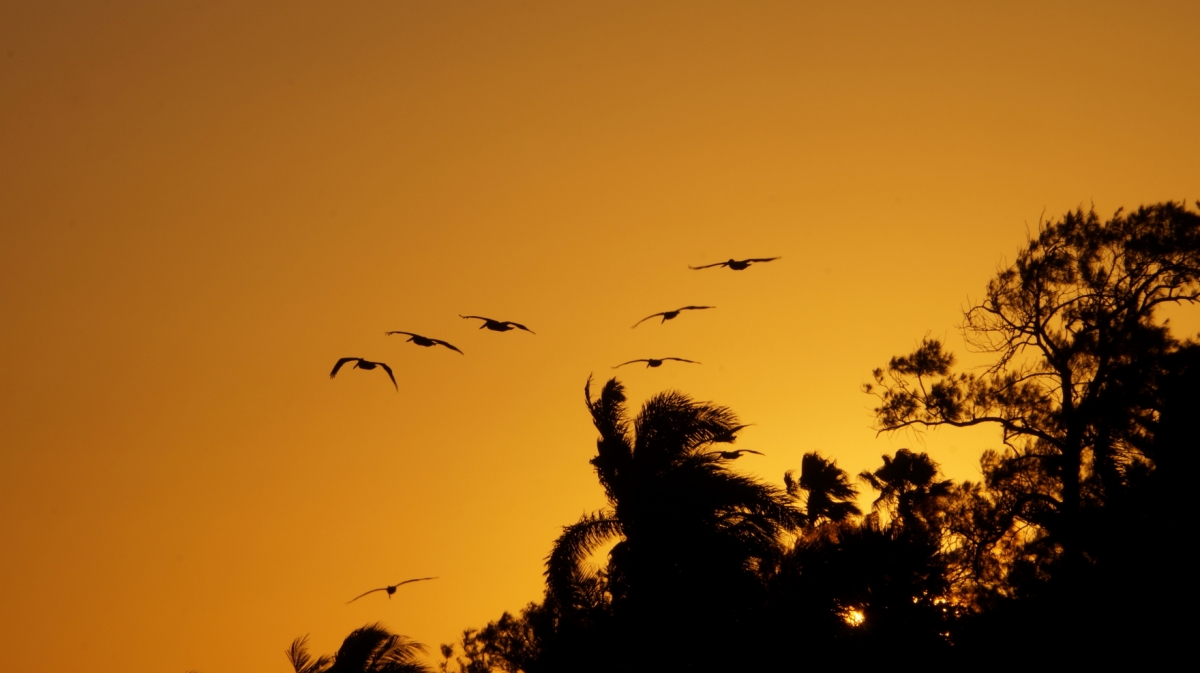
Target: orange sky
202,207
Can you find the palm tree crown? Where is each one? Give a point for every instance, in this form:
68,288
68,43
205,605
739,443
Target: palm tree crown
691,534
830,493
371,649
907,486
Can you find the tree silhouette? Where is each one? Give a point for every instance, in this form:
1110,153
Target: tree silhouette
1077,349
370,649
829,493
1083,385
873,589
510,644
908,488
302,661
690,534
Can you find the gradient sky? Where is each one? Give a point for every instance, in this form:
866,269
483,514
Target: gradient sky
203,205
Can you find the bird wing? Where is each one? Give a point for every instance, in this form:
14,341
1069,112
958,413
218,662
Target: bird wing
693,308
631,362
364,594
762,259
477,317
520,326
706,266
447,345
390,374
408,333
752,451
419,579
647,318
339,365
680,360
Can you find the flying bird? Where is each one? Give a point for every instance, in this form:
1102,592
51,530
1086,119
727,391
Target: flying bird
390,590
497,325
670,315
426,341
360,363
655,362
734,455
735,264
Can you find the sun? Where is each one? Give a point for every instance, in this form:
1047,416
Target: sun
854,616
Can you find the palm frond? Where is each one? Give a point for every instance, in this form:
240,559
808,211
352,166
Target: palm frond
608,410
399,654
613,449
572,548
672,425
830,495
714,496
360,648
791,484
301,661
822,475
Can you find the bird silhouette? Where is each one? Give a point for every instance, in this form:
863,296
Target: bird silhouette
389,589
655,362
426,341
360,363
670,315
497,325
734,455
735,264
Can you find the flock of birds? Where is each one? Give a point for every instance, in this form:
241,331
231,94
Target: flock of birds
507,325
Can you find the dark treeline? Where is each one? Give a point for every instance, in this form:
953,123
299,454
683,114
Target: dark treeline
1071,547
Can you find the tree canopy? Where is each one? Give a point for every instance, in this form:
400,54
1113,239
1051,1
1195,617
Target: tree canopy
1078,352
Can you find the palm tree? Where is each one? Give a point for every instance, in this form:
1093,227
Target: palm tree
302,661
830,493
371,649
907,488
690,534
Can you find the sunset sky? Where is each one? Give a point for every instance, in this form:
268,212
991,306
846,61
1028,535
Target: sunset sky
203,205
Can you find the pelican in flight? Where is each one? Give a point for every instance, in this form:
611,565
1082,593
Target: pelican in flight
734,455
426,341
735,264
655,362
390,590
670,315
360,363
497,325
